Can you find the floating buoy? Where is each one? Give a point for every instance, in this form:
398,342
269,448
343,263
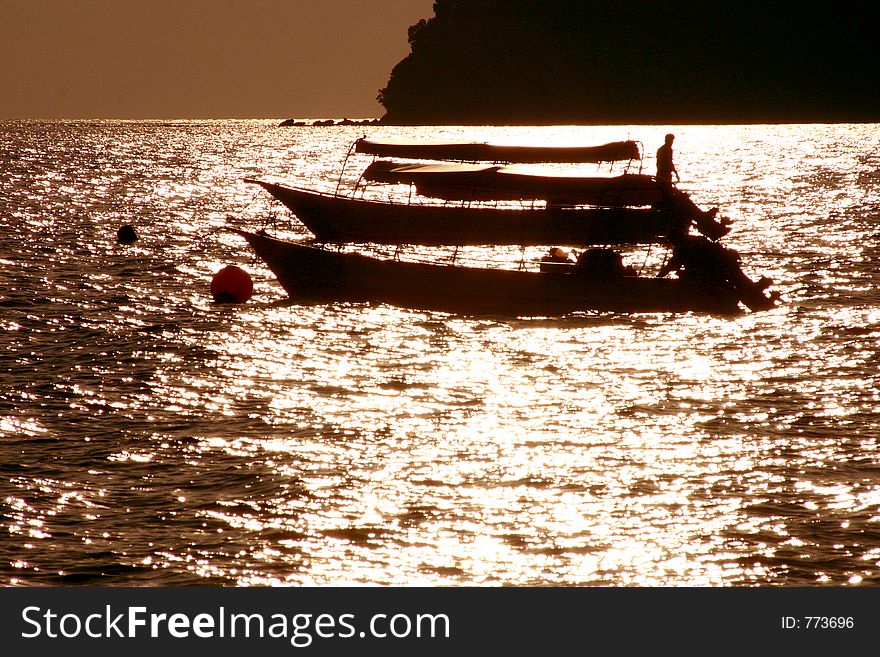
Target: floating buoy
126,234
232,285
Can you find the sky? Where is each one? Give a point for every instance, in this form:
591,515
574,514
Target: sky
200,58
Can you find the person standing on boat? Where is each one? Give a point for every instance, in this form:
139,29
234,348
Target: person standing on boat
665,165
705,221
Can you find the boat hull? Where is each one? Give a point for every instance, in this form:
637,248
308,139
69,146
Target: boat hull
474,182
341,219
310,274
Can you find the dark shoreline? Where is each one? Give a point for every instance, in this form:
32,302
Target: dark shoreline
310,123
298,123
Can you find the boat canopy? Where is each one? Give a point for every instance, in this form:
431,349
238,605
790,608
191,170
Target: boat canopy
471,182
484,152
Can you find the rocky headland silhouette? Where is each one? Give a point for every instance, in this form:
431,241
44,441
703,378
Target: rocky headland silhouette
617,62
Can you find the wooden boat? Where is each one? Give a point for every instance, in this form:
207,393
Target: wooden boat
343,219
474,182
553,209
311,274
616,151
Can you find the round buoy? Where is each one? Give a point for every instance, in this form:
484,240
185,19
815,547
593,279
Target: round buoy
126,234
231,285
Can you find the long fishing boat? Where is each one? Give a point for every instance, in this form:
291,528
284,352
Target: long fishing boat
481,204
335,218
311,274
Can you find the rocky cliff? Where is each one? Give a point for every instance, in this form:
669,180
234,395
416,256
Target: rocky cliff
621,61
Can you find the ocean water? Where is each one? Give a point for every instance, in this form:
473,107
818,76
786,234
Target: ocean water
152,437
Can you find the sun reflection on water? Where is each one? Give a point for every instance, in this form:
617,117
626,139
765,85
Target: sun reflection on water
281,444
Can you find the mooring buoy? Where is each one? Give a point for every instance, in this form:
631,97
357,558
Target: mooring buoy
231,285
126,234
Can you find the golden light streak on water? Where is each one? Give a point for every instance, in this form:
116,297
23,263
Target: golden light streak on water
166,439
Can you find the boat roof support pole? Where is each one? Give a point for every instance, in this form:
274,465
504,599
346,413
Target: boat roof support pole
645,261
342,170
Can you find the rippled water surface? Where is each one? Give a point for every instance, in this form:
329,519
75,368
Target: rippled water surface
150,436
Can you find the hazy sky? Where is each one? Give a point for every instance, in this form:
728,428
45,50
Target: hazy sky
200,58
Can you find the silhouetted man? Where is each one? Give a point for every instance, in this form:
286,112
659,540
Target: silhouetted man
665,165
